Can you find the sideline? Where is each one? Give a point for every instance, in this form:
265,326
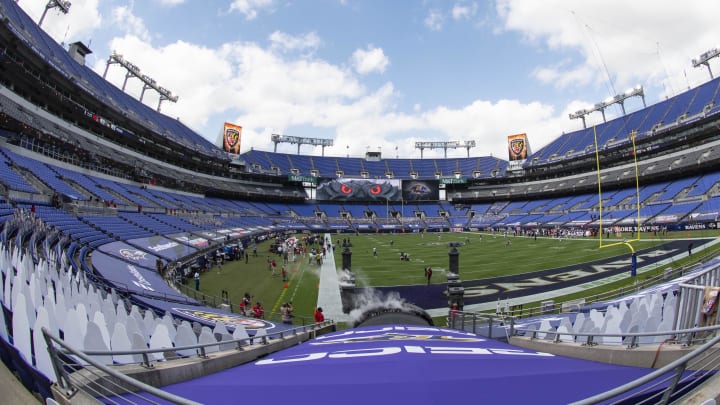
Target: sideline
488,306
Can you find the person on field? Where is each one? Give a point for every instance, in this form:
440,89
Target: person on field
319,316
428,274
258,310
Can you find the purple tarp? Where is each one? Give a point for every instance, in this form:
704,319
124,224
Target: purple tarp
407,364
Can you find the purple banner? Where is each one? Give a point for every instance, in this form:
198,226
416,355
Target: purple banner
135,279
130,253
166,248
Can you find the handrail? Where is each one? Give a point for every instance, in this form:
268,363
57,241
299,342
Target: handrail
457,321
202,346
120,376
678,365
690,332
63,374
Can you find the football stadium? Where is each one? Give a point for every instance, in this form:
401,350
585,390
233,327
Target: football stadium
142,263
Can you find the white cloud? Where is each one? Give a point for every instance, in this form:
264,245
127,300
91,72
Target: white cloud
124,18
434,20
370,60
250,8
640,42
241,81
283,41
464,11
82,19
564,75
274,88
267,91
487,123
171,2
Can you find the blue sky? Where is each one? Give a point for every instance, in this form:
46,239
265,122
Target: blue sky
381,75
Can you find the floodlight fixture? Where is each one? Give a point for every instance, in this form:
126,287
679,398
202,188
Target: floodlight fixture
445,145
132,71
277,138
636,91
704,59
62,5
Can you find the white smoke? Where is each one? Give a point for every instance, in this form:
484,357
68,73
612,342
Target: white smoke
371,299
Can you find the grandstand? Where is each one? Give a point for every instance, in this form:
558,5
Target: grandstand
107,205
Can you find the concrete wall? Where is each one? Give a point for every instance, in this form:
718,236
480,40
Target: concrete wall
654,356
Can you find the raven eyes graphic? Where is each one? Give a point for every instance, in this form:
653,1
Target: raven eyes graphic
357,190
345,189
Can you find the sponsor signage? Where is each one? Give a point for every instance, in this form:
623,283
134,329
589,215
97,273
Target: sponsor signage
453,180
302,179
190,239
161,246
109,124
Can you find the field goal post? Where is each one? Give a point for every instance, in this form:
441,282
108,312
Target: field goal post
627,243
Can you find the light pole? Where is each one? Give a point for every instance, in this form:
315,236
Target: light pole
64,7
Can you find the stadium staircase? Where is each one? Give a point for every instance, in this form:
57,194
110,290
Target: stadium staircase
84,191
119,198
31,179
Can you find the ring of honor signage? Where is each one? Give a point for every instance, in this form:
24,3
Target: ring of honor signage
518,147
232,134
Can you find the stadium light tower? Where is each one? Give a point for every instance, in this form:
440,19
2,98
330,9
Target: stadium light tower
277,138
636,91
148,82
62,5
444,146
704,58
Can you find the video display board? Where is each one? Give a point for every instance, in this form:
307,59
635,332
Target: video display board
421,190
378,190
359,190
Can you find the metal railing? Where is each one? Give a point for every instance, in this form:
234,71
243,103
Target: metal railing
70,387
480,323
664,385
692,297
669,383
101,381
686,337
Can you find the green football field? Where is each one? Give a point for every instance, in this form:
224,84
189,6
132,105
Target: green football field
480,256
